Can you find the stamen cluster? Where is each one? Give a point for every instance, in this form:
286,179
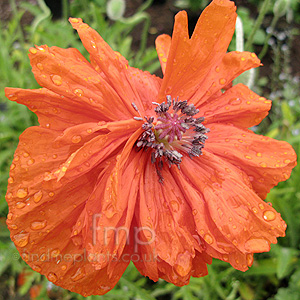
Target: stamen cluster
177,130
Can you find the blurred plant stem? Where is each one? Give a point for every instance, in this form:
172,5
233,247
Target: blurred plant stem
16,15
270,33
65,9
259,20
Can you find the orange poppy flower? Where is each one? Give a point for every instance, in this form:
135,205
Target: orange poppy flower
126,166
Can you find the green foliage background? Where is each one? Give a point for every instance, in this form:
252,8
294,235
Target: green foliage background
274,275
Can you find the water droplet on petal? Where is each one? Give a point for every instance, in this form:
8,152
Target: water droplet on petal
30,162
208,238
33,50
40,66
12,166
56,79
21,193
235,101
9,216
174,205
269,215
78,92
263,164
20,204
248,157
37,225
76,139
225,257
64,267
10,180
36,268
222,81
21,239
37,196
55,252
249,258
52,277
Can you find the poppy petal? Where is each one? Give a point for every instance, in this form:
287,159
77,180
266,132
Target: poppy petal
238,106
54,111
265,160
229,205
67,73
163,44
190,60
165,215
111,63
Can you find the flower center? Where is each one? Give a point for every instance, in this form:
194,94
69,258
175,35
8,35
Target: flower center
171,133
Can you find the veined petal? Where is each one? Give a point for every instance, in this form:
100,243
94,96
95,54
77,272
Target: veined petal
266,161
221,73
110,63
190,60
163,213
55,111
67,73
238,106
237,222
163,44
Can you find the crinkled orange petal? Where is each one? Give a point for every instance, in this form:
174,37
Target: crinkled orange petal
53,110
110,63
67,73
238,106
266,161
163,44
190,60
42,214
237,222
221,74
163,211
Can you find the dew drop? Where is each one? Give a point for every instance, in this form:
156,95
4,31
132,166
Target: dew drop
258,154
64,267
37,225
52,277
76,139
194,212
255,210
37,196
248,157
287,161
249,258
13,226
21,193
12,166
225,257
36,268
9,216
235,101
263,164
33,50
40,66
174,205
269,215
55,252
30,162
78,92
21,239
10,180
80,273
20,204
222,81
9,196
51,194
56,79
208,238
